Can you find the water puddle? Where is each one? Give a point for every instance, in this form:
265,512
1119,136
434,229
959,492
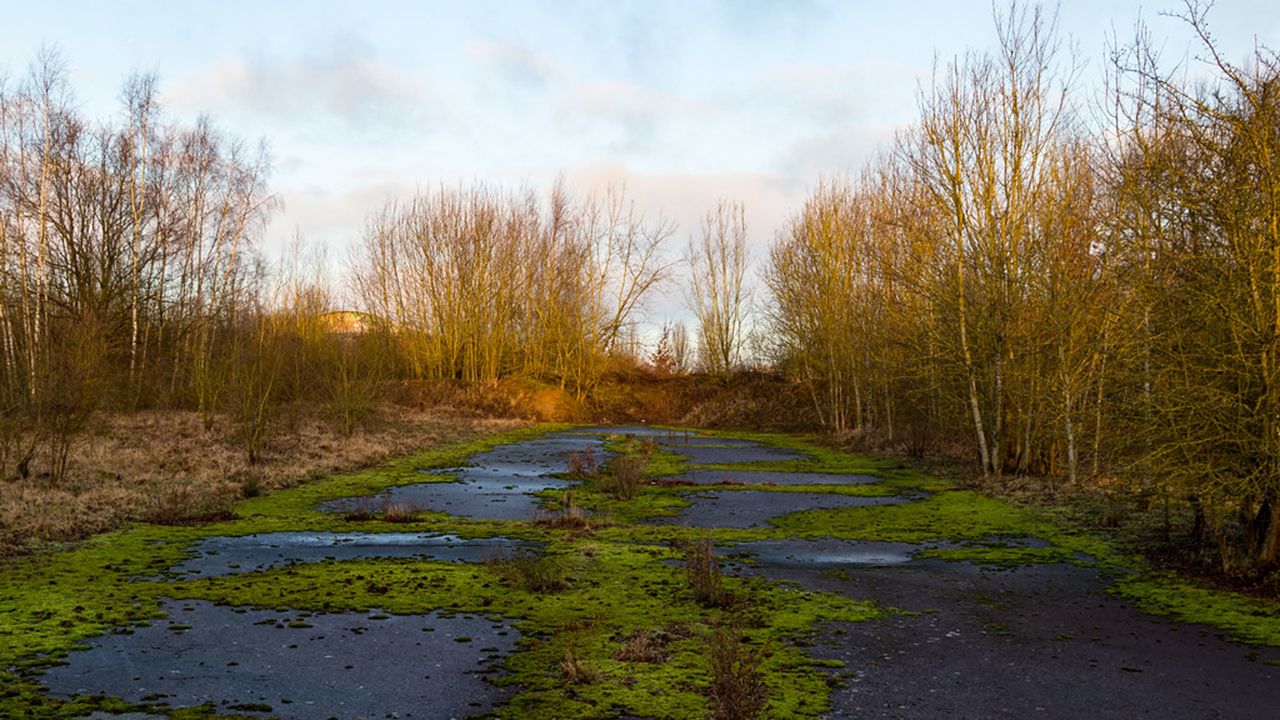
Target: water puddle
755,508
702,455
637,430
683,441
498,484
764,477
251,553
297,666
823,553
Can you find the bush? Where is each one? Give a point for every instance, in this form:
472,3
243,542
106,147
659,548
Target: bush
702,569
583,465
627,473
737,686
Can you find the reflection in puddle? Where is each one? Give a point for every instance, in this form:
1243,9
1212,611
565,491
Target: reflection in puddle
496,485
681,441
250,553
293,665
763,477
825,552
752,508
728,455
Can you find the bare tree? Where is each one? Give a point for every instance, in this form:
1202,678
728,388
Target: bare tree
718,294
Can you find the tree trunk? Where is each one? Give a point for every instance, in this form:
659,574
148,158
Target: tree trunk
1268,529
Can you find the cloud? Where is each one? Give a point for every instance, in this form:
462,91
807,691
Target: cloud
345,82
636,110
517,65
685,198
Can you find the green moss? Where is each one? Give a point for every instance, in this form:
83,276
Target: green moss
611,591
949,515
614,581
1004,555
1248,619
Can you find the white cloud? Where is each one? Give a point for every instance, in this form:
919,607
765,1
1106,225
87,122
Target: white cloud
640,113
345,82
517,65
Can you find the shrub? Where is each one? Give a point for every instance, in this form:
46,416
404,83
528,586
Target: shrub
737,686
702,569
627,473
583,465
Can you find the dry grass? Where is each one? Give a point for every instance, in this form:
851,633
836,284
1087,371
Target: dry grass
646,646
575,671
163,466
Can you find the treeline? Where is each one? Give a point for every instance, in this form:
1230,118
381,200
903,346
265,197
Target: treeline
479,284
1065,297
126,258
131,278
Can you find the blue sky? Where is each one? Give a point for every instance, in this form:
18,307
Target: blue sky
686,102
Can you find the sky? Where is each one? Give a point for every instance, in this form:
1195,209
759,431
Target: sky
685,102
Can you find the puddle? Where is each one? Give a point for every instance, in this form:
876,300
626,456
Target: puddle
824,552
764,477
637,430
754,508
495,485
725,455
251,553
682,441
324,665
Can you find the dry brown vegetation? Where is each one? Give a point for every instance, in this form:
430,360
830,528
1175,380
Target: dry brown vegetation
737,690
164,466
1059,296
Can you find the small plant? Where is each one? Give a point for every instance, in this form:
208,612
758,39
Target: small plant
627,473
251,487
529,570
583,465
182,504
575,671
647,646
737,690
399,513
569,517
702,569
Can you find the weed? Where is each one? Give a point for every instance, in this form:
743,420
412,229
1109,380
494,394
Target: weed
627,472
570,516
181,504
647,646
251,487
583,465
529,570
399,513
574,671
702,569
737,688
